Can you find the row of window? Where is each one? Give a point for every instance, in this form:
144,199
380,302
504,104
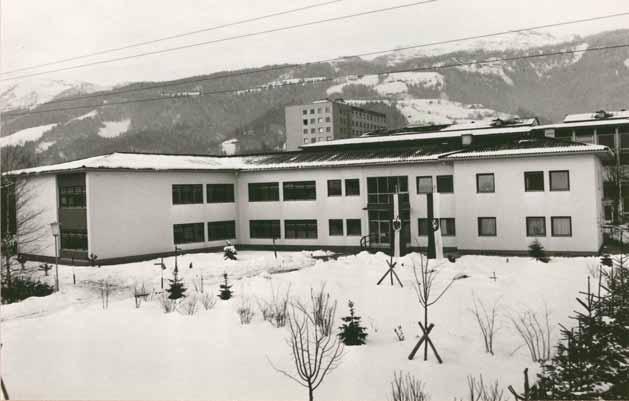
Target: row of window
559,180
318,130
186,194
319,139
352,187
302,229
195,232
319,110
560,226
319,120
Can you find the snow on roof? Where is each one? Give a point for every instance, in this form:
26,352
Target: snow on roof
496,153
591,123
592,116
413,136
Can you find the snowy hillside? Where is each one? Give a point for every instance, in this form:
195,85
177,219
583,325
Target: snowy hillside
31,92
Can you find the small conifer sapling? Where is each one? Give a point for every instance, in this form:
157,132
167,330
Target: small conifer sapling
536,250
226,291
176,288
352,333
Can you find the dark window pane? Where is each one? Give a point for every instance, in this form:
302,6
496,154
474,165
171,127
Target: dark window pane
187,194
264,229
264,192
352,187
335,227
485,183
300,190
74,239
559,180
445,184
606,139
534,181
300,229
334,188
535,226
217,193
354,227
188,233
221,230
423,227
487,226
447,227
72,196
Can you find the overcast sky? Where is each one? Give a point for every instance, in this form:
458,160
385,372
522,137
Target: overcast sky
40,31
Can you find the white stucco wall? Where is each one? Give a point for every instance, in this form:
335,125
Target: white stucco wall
40,209
510,204
131,213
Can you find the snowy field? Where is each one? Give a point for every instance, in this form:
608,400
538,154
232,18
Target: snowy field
66,346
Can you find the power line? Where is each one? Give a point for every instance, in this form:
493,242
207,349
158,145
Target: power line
229,38
327,79
287,66
176,36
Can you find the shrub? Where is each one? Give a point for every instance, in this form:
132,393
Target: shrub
245,312
168,305
226,291
189,305
535,333
407,388
208,301
275,311
480,391
352,333
486,319
537,251
24,287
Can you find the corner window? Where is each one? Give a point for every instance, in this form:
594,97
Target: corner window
300,190
334,188
487,226
335,227
353,227
561,226
352,187
533,181
189,233
485,183
445,184
424,185
559,180
535,226
187,194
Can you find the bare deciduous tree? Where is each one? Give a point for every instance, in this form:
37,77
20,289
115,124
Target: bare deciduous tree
315,351
486,319
407,388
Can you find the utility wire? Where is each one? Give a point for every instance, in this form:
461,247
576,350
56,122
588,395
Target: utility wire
327,79
225,39
176,36
140,88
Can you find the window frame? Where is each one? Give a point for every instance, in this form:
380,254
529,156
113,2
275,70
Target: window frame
351,181
450,177
291,191
273,224
76,237
196,190
336,232
493,177
552,226
340,188
70,192
349,223
444,222
183,227
528,232
254,187
495,234
550,180
228,195
231,224
538,172
291,224
418,178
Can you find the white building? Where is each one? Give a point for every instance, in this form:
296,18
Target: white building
500,188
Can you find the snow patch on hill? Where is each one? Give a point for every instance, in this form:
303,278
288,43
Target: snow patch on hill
113,129
391,84
29,93
91,114
43,146
26,135
488,69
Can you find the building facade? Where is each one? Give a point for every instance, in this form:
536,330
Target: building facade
497,192
326,120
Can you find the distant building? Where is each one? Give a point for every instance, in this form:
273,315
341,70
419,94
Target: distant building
325,120
230,147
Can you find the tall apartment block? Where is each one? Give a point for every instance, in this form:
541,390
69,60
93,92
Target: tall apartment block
325,120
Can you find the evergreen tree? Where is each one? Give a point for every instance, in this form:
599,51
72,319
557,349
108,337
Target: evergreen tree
176,288
352,333
536,250
226,291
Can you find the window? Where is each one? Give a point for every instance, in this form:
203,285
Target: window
311,111
334,188
327,109
319,120
221,230
605,136
445,184
354,227
298,229
264,228
424,185
321,130
335,227
585,135
74,239
352,187
380,190
305,112
313,140
559,180
187,194
485,183
535,226
328,138
319,110
305,121
328,119
446,225
72,196
487,226
188,233
264,191
306,140
220,193
300,190
533,181
561,226
312,121
305,130
328,129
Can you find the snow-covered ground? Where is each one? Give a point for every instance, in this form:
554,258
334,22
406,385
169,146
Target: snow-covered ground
26,135
113,129
66,346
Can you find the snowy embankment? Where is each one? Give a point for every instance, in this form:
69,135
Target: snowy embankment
74,349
